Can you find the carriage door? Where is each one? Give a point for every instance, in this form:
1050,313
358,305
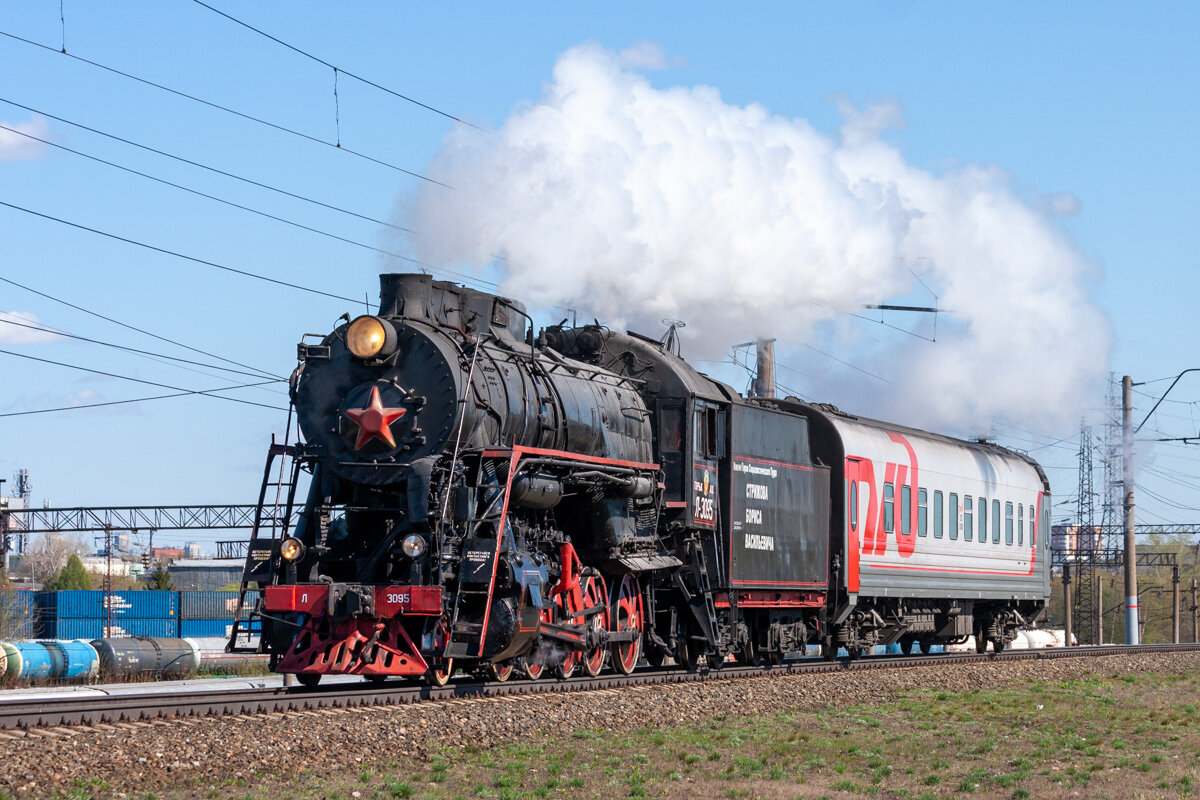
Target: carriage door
708,446
859,516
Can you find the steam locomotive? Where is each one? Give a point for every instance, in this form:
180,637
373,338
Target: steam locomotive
487,500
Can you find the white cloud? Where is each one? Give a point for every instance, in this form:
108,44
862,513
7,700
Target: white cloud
15,147
13,329
647,56
639,203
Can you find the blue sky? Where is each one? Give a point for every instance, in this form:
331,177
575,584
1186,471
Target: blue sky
1093,104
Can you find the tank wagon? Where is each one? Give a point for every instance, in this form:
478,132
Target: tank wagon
486,499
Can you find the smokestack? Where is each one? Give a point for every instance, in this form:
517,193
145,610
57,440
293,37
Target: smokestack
764,371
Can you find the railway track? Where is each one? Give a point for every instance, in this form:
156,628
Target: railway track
136,708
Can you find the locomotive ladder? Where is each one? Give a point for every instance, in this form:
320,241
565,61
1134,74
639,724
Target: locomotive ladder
271,518
465,638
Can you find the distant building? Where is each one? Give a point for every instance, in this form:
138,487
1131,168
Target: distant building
166,553
99,565
191,550
207,574
1073,542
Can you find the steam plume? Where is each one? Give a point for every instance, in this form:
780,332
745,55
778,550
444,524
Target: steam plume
638,203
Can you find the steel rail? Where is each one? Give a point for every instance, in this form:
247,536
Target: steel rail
132,708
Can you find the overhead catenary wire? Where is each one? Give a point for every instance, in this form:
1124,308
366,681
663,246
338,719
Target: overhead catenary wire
206,392
163,250
209,196
227,110
336,68
460,276
137,400
199,165
55,332
259,212
134,328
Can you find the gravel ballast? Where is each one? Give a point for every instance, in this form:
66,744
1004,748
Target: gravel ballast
151,756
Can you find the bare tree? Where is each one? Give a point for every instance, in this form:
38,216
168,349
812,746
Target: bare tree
48,554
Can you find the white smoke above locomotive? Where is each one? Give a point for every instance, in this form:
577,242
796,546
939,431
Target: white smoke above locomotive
638,204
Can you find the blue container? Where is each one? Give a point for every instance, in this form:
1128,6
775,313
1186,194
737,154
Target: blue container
73,660
72,629
31,660
213,605
80,604
210,628
18,614
155,628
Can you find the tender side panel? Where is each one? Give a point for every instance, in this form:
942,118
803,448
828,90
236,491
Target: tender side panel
914,518
779,506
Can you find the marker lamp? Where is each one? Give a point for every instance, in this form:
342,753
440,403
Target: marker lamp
291,549
371,337
414,545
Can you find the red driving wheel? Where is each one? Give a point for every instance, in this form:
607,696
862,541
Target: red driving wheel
594,592
625,615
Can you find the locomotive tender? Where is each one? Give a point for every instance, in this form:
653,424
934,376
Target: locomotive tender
487,500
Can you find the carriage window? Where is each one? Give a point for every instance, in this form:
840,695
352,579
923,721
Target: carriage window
1020,524
922,512
983,520
905,509
953,514
968,519
995,522
854,504
937,515
889,502
1008,523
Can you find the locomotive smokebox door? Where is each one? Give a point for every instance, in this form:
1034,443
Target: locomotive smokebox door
779,504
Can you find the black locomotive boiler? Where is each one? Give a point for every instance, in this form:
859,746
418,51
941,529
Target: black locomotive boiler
481,498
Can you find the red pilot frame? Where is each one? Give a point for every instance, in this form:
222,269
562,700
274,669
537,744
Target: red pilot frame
377,646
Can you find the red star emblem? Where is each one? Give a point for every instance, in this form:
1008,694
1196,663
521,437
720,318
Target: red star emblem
374,421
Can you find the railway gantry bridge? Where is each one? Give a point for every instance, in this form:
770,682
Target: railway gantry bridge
107,519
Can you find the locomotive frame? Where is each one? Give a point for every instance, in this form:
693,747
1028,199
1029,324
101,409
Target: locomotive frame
485,499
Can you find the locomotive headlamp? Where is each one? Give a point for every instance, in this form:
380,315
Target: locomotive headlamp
414,545
291,549
371,337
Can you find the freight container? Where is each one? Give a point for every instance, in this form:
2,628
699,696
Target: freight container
18,614
71,629
213,605
211,628
96,628
81,604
